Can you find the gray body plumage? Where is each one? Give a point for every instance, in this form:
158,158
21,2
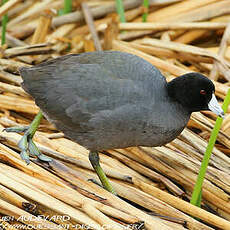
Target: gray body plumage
106,100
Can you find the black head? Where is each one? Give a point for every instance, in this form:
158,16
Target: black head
195,92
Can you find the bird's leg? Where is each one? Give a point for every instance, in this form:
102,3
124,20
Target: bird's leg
26,144
94,160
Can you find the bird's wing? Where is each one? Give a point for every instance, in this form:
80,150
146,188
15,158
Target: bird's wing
90,89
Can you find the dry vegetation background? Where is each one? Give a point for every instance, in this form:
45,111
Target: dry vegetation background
153,184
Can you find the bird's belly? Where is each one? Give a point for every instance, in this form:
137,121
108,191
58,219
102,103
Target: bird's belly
116,136
110,140
158,139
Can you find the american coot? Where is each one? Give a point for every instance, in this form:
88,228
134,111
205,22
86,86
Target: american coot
107,100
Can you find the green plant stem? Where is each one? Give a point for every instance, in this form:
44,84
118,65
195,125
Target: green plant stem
4,24
120,10
67,6
146,7
197,192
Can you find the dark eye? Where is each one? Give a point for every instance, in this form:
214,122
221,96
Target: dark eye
203,92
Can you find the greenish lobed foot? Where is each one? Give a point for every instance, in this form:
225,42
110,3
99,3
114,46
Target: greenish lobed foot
26,143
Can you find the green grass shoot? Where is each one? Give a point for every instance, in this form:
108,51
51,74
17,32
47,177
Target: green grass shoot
120,10
197,192
146,8
67,8
4,24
